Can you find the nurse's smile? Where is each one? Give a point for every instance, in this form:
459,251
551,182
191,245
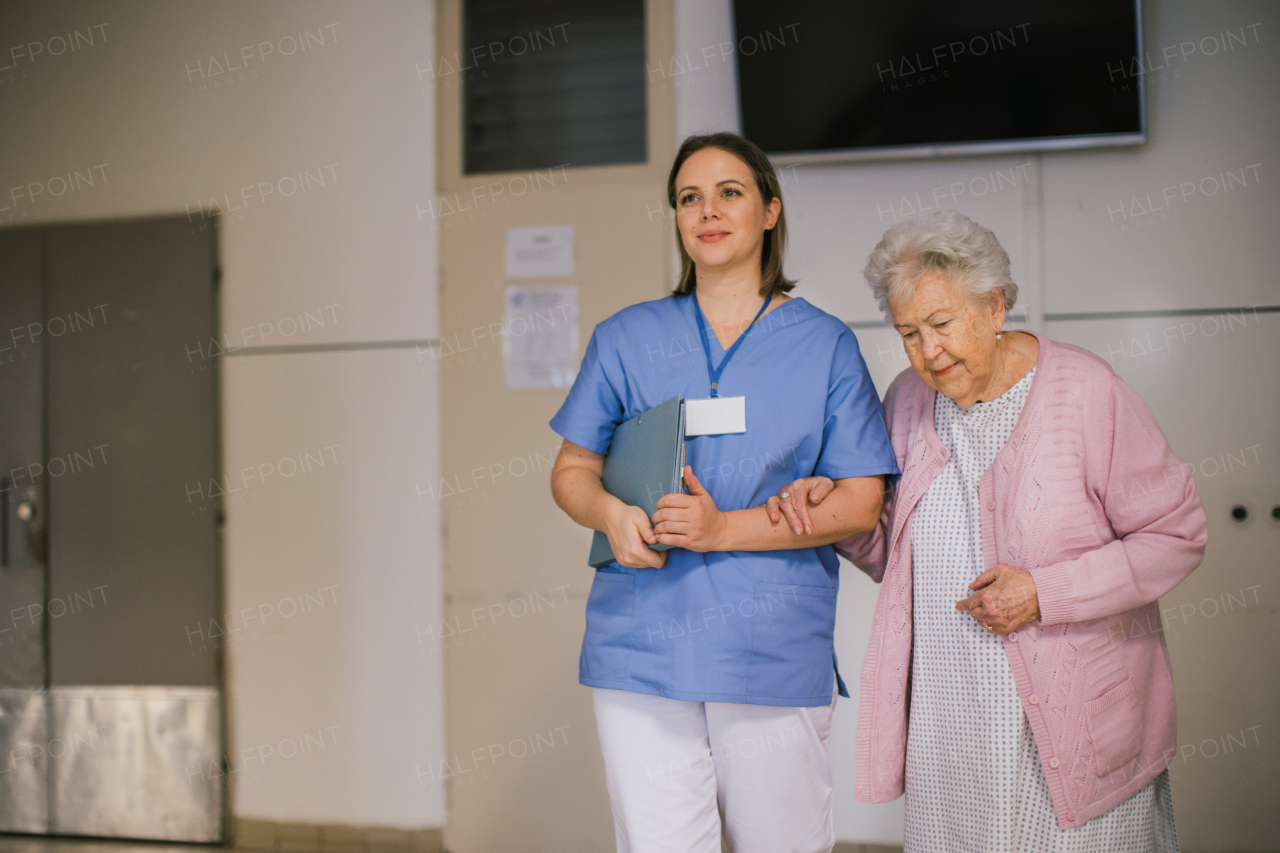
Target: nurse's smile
714,235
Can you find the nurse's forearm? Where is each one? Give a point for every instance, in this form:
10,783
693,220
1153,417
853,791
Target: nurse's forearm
843,513
579,492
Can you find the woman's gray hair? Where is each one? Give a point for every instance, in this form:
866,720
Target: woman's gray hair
948,243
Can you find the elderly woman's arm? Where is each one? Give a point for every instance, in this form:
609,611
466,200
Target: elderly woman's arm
1151,503
868,549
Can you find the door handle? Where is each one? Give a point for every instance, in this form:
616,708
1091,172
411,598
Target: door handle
26,510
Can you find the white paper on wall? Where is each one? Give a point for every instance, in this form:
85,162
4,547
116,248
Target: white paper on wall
544,251
540,337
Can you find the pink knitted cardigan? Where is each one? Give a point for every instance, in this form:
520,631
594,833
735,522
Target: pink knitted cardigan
1087,496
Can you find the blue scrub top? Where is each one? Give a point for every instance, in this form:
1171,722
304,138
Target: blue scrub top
752,627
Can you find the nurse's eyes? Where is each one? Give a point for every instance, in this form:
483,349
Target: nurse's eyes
727,192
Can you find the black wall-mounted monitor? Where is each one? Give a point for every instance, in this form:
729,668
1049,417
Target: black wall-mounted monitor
834,79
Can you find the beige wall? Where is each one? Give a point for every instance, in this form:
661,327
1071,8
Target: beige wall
146,101
512,675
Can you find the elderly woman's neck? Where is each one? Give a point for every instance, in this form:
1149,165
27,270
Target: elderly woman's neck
1016,355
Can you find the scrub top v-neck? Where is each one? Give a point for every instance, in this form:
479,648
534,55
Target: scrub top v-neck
741,626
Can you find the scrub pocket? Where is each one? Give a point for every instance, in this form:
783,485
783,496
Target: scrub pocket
611,614
792,636
1115,728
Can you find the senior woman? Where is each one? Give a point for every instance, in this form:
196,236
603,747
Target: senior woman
1004,685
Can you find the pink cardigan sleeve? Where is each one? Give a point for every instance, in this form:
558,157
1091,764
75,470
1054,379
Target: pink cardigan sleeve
1150,501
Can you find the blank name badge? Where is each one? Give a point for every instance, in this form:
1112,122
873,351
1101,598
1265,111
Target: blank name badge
715,416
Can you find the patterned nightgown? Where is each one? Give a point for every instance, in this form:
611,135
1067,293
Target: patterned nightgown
974,780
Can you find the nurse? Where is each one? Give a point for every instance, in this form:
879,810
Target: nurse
712,664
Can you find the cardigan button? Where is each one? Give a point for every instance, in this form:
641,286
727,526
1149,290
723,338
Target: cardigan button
1053,762
1013,638
991,504
1034,700
1071,815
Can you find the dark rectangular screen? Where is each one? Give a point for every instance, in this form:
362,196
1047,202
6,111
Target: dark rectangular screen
834,75
550,83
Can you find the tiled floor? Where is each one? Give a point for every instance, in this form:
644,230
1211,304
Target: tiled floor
42,844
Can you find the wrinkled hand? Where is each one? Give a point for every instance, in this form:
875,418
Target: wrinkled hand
689,521
801,494
1005,601
629,531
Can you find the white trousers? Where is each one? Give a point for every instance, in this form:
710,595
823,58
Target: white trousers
676,770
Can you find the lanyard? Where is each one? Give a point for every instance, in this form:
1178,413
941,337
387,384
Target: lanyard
706,344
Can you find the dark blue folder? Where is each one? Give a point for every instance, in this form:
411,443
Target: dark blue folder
645,462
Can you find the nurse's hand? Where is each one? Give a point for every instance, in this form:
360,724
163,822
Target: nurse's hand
628,531
689,521
800,495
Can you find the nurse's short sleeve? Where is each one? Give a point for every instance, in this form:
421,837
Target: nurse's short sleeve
854,440
593,409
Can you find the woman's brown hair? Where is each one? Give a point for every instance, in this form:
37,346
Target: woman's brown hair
772,281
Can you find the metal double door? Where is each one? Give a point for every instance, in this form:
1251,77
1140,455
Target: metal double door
110,715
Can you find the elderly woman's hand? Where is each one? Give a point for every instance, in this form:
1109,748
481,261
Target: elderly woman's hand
794,500
1005,601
